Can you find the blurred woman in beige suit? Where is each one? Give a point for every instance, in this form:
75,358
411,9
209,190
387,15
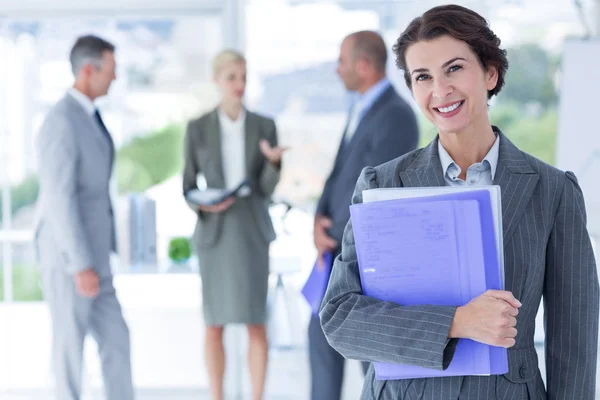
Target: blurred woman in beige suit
228,145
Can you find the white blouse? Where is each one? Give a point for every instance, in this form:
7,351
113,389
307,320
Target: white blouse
233,140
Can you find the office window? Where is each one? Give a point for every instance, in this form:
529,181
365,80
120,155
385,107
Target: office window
1,273
163,79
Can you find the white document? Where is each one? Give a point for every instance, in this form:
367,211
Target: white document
210,196
382,194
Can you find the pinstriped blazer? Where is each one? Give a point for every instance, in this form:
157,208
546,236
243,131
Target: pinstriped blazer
548,255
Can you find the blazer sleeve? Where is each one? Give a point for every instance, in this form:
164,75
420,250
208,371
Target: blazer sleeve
367,329
571,301
58,158
191,169
269,173
323,204
397,135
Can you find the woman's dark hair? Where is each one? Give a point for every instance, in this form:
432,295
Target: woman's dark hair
459,23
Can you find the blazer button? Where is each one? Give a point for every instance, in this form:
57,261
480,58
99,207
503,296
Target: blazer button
523,372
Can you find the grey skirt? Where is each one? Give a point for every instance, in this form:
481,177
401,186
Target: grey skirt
235,271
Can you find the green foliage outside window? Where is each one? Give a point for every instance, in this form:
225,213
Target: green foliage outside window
27,283
149,160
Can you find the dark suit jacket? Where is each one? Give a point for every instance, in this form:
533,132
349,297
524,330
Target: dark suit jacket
547,252
388,130
203,155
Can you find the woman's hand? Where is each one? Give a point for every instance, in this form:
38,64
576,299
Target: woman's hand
273,154
488,318
218,208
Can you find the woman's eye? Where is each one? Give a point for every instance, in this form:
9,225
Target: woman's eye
422,77
454,68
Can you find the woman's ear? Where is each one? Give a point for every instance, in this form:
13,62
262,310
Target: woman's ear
491,77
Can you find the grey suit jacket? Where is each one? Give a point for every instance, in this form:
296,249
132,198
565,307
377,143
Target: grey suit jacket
74,227
547,253
202,150
388,130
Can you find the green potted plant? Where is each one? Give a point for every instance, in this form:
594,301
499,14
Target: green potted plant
180,250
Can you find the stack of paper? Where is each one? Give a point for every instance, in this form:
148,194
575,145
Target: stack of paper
437,246
210,196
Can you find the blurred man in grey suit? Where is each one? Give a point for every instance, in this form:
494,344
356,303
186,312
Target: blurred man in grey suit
381,126
75,229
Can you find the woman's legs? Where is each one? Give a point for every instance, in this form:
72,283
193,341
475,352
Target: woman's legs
215,360
257,359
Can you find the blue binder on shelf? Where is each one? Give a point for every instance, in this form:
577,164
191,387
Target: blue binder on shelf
439,248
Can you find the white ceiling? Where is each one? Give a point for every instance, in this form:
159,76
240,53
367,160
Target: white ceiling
43,8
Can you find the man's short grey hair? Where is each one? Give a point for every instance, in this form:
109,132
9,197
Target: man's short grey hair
88,49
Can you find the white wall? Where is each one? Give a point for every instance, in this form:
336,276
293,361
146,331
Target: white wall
578,144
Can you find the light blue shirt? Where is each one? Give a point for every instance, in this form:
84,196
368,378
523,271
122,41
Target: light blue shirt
362,105
368,98
478,174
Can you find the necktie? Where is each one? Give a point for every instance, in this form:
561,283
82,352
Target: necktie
353,121
106,133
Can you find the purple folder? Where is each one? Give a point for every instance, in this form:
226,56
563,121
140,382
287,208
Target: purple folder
438,250
316,284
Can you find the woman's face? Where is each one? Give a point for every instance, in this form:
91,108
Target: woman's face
449,83
232,81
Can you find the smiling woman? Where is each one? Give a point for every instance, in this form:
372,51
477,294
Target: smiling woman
453,64
455,68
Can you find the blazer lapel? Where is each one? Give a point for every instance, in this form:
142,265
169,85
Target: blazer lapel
89,121
102,141
213,140
517,181
425,170
251,137
381,100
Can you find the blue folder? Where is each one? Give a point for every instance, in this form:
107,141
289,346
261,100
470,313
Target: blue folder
437,250
315,286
